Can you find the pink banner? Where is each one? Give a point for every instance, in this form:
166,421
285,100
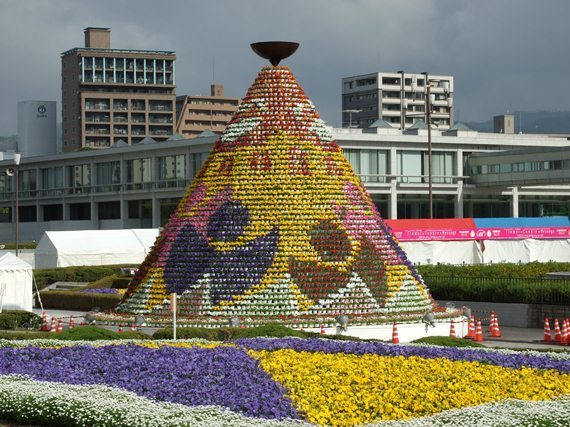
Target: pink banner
483,234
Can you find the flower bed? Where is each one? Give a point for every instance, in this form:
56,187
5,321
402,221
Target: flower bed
284,382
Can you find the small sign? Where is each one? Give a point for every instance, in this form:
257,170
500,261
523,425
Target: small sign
173,301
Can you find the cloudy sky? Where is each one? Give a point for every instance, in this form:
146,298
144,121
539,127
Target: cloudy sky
506,55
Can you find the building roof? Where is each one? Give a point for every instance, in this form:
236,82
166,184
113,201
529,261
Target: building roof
107,51
460,126
381,124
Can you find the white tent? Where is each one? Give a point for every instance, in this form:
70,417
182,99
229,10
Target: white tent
446,252
94,247
16,283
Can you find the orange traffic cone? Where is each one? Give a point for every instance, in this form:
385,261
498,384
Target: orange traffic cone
495,331
557,336
479,332
547,333
120,328
60,326
492,322
471,328
395,339
323,329
52,327
132,327
565,336
71,322
452,330
44,322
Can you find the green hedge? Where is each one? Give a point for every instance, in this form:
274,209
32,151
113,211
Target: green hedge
224,334
47,276
529,270
79,333
448,342
114,281
12,319
82,301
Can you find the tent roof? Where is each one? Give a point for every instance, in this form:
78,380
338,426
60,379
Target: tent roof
9,261
96,241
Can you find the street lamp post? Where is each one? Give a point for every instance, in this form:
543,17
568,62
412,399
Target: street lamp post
428,106
17,157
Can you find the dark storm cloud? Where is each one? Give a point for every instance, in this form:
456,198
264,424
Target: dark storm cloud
505,55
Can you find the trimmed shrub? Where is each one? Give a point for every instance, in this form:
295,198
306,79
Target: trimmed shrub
275,330
506,270
94,333
82,301
22,335
447,342
113,281
223,334
47,276
13,319
210,334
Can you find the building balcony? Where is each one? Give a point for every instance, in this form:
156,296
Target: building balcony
161,108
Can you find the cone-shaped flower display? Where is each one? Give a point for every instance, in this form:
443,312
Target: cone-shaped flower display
277,226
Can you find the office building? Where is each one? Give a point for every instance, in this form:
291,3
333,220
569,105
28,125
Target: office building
474,175
111,95
398,99
504,123
37,128
197,113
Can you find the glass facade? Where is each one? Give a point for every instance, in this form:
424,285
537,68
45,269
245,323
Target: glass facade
52,181
139,173
108,176
79,178
369,165
413,166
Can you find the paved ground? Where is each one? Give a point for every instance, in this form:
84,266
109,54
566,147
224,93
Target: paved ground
519,338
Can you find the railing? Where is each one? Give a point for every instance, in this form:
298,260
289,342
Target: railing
89,189
424,179
500,289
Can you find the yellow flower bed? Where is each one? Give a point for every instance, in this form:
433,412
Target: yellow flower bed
345,390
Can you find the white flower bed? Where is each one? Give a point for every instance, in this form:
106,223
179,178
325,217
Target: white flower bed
97,405
507,413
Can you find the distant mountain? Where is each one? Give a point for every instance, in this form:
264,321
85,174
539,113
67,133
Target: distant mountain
532,122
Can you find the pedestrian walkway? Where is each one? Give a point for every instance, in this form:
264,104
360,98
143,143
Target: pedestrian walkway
511,337
522,338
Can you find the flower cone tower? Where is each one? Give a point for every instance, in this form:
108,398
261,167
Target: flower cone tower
276,225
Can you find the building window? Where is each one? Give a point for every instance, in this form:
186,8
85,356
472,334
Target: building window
108,176
109,210
198,160
79,178
79,211
53,212
52,180
370,165
172,169
139,173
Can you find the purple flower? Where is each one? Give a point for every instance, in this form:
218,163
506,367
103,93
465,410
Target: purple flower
223,376
511,360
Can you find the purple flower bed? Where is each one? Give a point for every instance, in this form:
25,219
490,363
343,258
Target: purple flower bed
99,291
222,376
359,348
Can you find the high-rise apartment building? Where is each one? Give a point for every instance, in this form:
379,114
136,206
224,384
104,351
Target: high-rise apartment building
115,94
396,98
197,113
